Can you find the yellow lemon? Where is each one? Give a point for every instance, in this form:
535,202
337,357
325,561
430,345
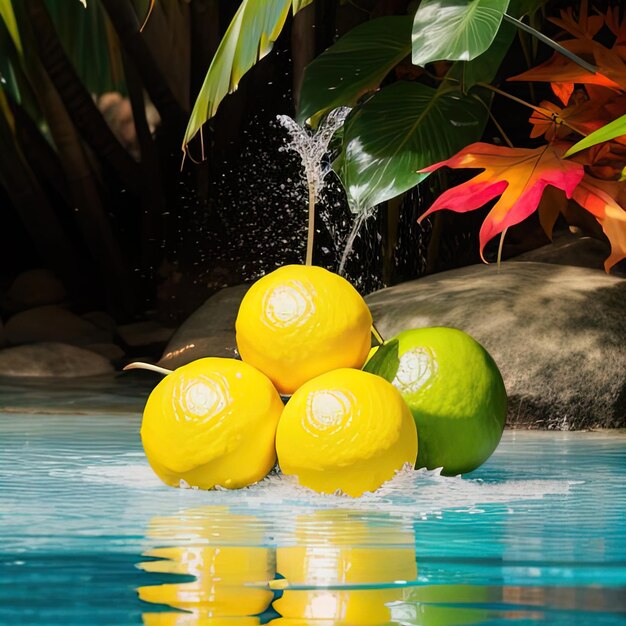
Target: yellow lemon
345,430
301,321
212,423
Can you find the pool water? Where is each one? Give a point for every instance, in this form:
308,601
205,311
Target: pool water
88,535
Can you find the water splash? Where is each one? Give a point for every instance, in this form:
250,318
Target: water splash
312,146
359,220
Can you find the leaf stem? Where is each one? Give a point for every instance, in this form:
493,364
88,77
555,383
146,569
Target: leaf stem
495,121
377,335
500,245
550,42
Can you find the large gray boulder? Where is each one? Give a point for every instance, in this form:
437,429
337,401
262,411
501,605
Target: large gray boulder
52,360
558,334
209,331
571,249
53,323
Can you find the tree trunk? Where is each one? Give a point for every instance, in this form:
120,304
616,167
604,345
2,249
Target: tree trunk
42,158
302,47
36,213
167,35
86,201
126,24
152,198
85,115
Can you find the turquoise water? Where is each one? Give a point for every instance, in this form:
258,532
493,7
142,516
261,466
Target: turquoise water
89,536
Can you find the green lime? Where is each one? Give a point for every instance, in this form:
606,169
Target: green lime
454,390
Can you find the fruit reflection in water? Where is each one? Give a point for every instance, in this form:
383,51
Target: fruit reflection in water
224,552
336,549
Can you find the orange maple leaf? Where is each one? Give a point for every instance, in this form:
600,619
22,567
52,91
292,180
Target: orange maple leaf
605,201
518,175
611,68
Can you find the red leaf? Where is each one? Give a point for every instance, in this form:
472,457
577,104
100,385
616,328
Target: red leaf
602,199
518,175
563,91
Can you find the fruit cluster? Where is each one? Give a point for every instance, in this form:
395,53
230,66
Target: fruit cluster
305,332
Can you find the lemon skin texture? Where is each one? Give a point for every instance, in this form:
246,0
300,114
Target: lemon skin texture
456,395
301,321
345,430
212,423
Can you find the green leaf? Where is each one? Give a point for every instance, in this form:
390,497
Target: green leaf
483,69
401,129
250,36
614,129
7,15
88,41
455,30
385,361
354,65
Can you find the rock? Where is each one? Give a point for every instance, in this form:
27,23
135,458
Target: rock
571,249
53,323
110,351
54,360
144,333
101,320
209,331
556,332
34,288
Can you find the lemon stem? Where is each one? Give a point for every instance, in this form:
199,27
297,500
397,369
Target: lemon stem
147,366
377,335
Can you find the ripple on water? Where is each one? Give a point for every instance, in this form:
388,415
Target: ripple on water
538,534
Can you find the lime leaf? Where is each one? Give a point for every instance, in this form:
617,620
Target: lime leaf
385,361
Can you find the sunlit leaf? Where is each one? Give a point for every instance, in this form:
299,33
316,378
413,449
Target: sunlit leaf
455,30
600,198
484,68
402,128
354,65
615,129
249,37
517,175
7,15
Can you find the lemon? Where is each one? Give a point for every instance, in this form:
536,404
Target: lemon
345,430
212,423
301,321
454,390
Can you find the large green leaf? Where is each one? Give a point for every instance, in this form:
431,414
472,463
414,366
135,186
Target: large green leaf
614,129
354,65
401,129
455,30
8,17
483,69
249,37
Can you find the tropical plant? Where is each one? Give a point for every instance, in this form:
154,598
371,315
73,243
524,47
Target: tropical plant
593,178
92,208
398,128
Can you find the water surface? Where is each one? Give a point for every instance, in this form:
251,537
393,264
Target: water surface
90,536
